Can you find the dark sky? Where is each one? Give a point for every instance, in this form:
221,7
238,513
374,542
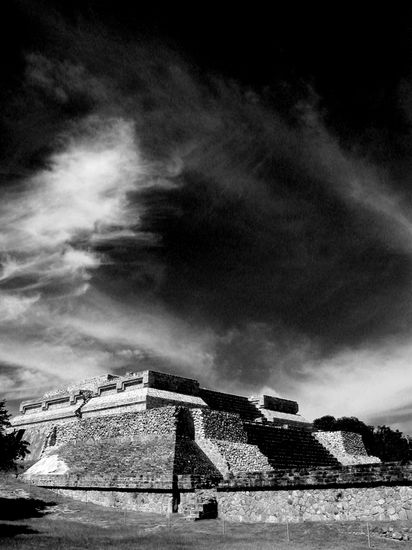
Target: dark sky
220,193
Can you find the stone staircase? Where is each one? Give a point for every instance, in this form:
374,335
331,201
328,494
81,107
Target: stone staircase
231,403
288,448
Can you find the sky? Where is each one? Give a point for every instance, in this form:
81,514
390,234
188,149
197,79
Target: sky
221,195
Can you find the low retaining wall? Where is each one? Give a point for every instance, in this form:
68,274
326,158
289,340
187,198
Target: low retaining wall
142,501
144,493
369,503
361,475
366,492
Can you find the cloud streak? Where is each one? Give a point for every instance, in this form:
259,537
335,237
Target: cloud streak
188,221
48,228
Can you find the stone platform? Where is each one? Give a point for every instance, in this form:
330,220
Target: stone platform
164,428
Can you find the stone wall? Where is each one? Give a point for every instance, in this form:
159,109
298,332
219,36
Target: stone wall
153,422
273,403
38,435
242,457
347,447
152,455
178,384
212,451
88,383
360,475
222,438
142,501
190,459
212,424
368,503
160,398
369,492
142,482
288,447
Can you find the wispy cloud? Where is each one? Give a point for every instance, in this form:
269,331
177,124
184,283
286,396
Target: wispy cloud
185,219
54,226
48,225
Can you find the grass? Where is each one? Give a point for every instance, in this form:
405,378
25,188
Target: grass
44,520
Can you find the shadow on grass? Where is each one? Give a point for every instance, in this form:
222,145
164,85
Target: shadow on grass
10,530
21,508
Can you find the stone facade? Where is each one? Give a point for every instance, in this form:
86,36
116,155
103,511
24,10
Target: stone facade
347,447
389,473
211,424
369,503
222,438
140,404
154,422
368,492
142,501
158,442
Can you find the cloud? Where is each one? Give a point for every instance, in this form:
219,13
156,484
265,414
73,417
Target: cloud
50,224
81,195
364,184
20,384
13,307
366,382
146,328
189,220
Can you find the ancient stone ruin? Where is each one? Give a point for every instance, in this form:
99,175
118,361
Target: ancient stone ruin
152,441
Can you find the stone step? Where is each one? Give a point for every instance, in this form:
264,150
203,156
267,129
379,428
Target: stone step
288,448
230,403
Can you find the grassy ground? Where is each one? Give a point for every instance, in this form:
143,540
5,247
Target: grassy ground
43,520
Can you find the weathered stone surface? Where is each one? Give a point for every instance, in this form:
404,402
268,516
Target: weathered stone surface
139,501
212,424
136,447
347,447
153,422
294,506
223,439
273,403
383,474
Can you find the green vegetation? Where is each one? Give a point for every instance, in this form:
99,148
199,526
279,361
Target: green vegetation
12,447
389,445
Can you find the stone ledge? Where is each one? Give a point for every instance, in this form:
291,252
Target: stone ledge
364,475
143,482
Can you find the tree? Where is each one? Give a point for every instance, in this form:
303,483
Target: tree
12,447
391,445
325,423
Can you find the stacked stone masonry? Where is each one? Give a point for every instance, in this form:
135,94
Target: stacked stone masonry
223,439
212,424
346,447
153,441
371,503
275,404
289,448
230,403
369,492
153,422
